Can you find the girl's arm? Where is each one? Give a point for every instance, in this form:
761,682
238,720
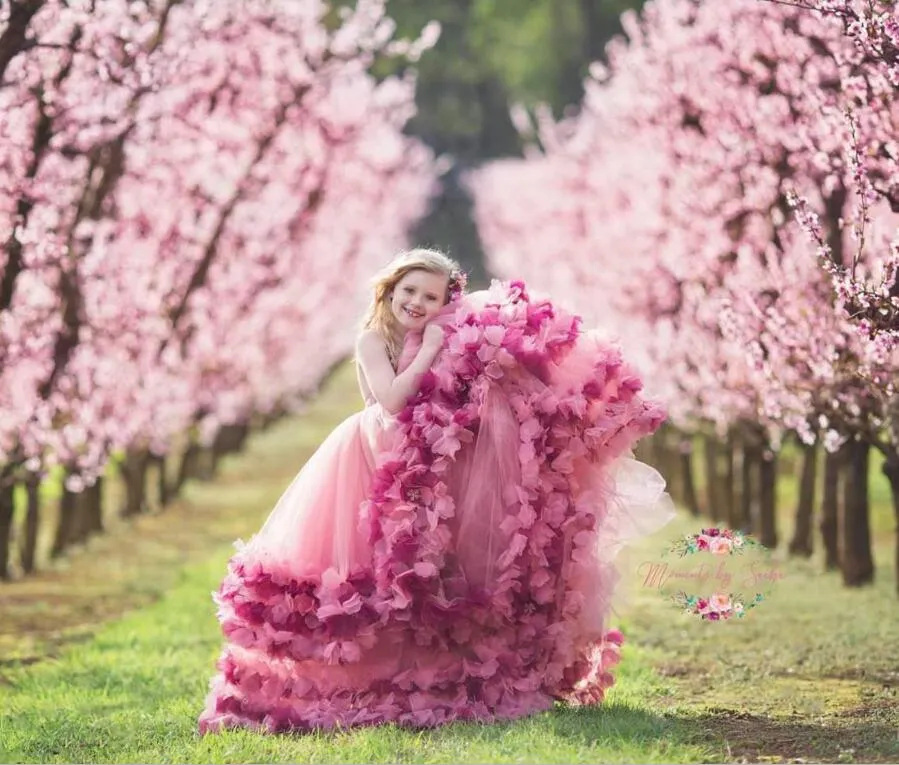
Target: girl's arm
392,390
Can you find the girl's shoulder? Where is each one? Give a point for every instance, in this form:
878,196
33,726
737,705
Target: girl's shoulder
369,338
369,341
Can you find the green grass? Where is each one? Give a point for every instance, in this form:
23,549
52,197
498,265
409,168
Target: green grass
810,674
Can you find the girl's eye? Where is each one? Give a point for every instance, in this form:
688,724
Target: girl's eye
407,289
432,297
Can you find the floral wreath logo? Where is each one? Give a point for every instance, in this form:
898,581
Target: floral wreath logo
723,603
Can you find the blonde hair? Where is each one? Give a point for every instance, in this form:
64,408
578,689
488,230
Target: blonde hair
379,315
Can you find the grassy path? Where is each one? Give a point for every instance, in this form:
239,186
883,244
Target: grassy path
809,676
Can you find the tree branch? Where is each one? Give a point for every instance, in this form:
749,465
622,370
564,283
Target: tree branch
14,39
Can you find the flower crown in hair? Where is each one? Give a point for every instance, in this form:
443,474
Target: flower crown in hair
457,282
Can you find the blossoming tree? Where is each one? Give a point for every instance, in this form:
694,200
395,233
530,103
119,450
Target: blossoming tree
188,189
670,200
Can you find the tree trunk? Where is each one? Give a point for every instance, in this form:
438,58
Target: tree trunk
162,484
231,438
14,39
93,497
712,484
890,469
748,484
221,445
207,463
187,467
65,526
801,543
243,433
729,483
673,472
134,474
28,556
270,418
856,561
82,525
667,461
7,511
768,499
830,509
686,460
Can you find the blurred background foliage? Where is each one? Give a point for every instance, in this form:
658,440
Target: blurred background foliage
493,54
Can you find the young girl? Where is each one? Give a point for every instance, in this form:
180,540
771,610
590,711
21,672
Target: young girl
447,552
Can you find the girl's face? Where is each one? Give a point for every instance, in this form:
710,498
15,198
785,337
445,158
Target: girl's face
418,298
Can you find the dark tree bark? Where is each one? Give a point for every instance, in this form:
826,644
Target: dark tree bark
7,511
164,492
712,481
267,419
890,469
665,459
802,543
94,507
14,39
229,440
207,463
187,468
134,474
28,556
830,509
729,482
768,499
672,466
748,487
856,560
81,526
690,498
215,454
65,526
241,436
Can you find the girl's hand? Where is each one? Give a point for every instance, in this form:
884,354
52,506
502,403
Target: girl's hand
432,338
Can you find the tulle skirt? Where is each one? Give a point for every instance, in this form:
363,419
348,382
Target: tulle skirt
315,526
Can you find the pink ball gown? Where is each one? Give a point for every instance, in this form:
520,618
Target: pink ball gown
455,561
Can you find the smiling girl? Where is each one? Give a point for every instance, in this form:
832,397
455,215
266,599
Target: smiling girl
408,294
446,553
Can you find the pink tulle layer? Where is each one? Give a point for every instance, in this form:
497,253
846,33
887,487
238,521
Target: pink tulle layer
455,562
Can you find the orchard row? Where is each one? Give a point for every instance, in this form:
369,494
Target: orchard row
726,202
192,195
